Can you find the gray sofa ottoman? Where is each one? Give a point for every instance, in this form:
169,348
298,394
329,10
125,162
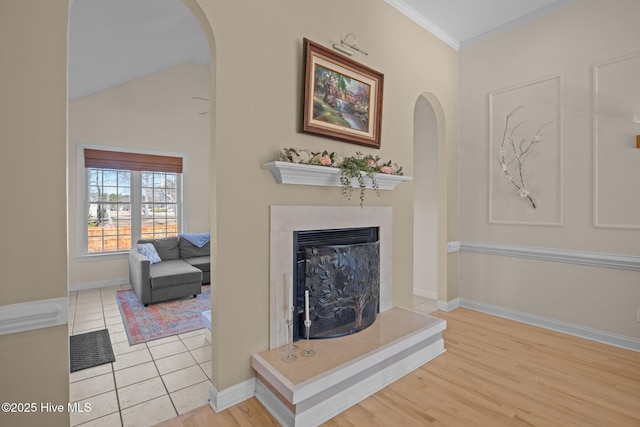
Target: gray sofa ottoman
181,271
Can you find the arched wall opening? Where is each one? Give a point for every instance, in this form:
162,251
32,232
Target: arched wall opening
425,155
195,157
205,25
430,199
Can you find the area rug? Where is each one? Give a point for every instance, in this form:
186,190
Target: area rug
90,349
161,319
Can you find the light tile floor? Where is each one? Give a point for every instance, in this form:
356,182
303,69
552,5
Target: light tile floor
424,305
149,382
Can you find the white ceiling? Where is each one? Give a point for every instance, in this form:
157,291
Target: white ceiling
461,23
115,41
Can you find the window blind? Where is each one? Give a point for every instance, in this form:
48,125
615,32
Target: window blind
131,161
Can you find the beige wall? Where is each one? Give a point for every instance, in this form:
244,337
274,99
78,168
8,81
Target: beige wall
155,113
568,44
258,80
33,37
258,76
258,72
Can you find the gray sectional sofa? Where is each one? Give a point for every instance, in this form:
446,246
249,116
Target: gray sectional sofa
181,272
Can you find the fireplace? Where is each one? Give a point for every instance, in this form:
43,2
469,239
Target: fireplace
311,390
339,269
285,221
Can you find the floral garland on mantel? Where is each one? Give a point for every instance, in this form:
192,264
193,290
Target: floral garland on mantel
350,167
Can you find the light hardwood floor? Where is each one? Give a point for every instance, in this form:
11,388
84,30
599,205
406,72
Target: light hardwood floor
495,372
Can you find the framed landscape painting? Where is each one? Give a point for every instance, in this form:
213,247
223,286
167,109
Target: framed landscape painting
342,98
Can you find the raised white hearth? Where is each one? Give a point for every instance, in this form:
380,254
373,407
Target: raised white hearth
302,174
345,370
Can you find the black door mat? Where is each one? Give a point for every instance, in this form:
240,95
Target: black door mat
90,349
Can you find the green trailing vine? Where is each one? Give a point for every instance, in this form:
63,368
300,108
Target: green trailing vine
357,167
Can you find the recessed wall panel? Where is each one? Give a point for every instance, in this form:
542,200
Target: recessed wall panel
616,156
525,162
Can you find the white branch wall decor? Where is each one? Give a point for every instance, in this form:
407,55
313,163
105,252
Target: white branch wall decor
513,154
526,149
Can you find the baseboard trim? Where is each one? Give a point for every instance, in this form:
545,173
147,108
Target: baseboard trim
96,285
554,325
448,305
221,400
32,315
592,259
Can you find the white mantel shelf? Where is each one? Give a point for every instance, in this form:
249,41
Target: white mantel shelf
301,174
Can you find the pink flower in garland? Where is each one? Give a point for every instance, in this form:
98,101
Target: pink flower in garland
325,160
387,169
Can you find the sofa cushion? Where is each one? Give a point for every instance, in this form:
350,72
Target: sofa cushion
149,251
167,248
173,272
189,250
201,262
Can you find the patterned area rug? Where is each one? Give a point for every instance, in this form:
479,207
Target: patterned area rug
162,319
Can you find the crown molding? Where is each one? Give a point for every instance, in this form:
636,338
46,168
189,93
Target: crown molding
410,13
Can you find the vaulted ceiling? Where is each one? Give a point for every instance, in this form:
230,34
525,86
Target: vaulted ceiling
115,41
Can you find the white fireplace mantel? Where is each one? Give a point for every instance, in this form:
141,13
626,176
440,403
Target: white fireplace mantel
302,174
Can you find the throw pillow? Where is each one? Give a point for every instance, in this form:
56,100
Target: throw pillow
149,251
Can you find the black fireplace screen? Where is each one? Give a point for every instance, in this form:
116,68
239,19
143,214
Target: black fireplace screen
344,288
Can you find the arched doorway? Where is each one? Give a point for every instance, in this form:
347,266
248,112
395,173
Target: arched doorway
430,255
140,122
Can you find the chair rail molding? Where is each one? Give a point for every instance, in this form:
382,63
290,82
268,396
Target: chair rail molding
593,259
32,315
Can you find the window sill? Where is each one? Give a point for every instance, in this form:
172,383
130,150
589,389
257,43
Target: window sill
102,256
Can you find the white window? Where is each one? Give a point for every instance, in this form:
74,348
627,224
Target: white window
129,196
159,204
